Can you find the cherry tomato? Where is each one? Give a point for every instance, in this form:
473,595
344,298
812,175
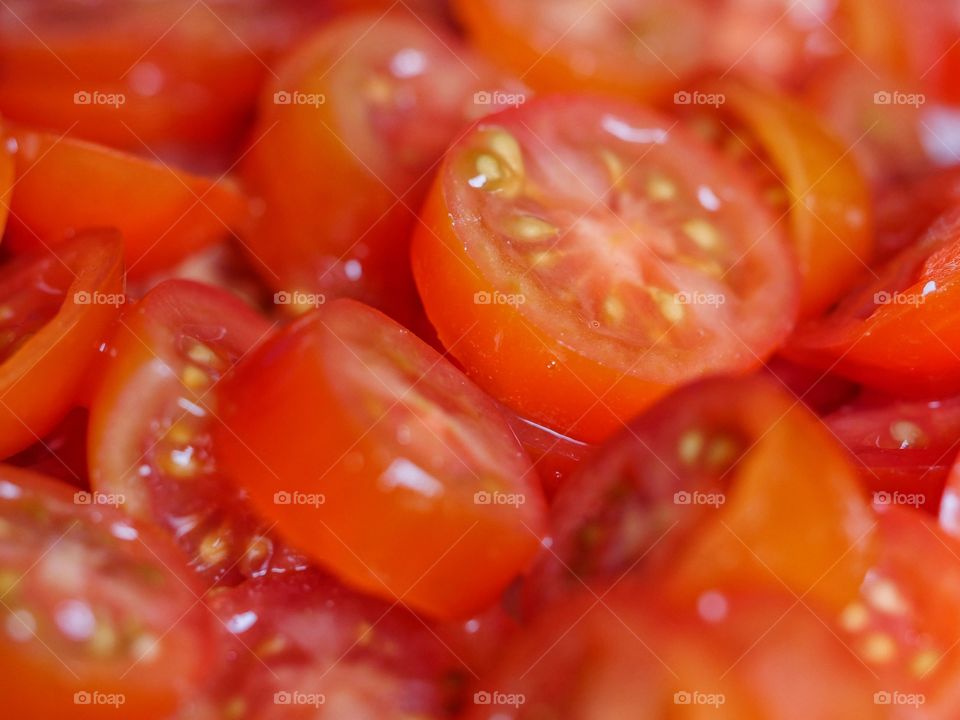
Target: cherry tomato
151,424
582,256
346,138
303,646
65,185
391,469
903,624
99,621
743,655
904,449
55,312
142,75
809,178
897,329
724,479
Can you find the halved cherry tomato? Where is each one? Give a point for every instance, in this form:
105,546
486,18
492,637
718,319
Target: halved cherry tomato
726,480
898,329
904,449
582,256
136,73
811,179
163,214
746,655
357,118
303,646
55,311
150,428
346,415
98,619
903,623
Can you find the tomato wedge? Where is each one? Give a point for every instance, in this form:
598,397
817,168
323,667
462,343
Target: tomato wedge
896,331
358,117
151,424
724,481
582,256
163,214
810,178
377,425
98,619
302,645
904,448
55,312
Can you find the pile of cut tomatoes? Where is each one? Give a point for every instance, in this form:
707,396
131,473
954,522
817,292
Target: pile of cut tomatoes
480,360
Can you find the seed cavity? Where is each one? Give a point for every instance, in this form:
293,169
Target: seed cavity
527,227
703,233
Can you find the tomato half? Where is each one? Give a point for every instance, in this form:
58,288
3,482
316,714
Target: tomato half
346,138
810,178
55,312
151,423
903,623
904,450
896,331
392,469
98,619
744,655
555,457
143,75
66,185
726,480
303,646
582,256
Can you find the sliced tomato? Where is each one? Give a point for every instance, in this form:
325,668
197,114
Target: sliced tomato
62,453
723,481
809,177
66,185
896,331
56,310
582,256
906,208
151,424
741,655
358,117
903,624
138,74
377,425
98,619
303,646
555,457
904,449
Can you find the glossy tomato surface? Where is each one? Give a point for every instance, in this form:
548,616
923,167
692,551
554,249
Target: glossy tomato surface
100,619
56,310
347,139
151,426
579,269
345,414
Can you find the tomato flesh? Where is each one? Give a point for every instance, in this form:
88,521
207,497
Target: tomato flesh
151,421
97,616
576,267
403,440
